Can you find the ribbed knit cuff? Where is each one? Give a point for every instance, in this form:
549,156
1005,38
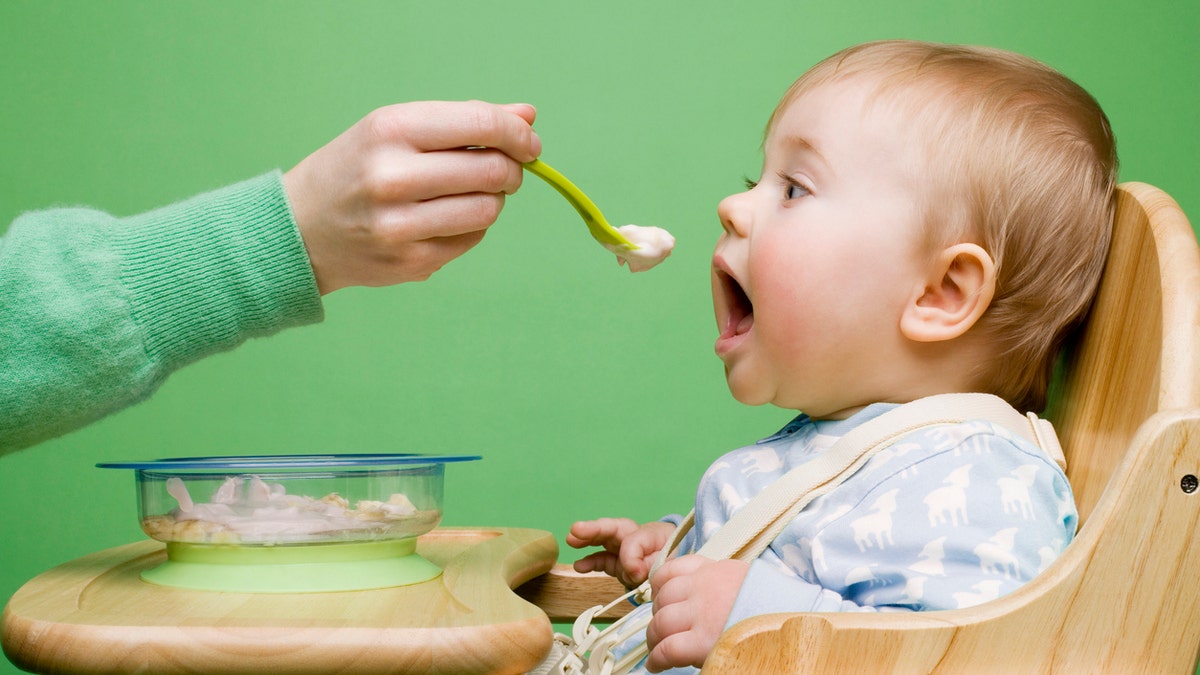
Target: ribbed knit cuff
209,272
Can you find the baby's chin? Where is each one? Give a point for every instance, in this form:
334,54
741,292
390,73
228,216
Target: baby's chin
751,391
747,390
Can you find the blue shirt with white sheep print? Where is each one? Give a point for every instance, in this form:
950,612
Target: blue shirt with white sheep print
947,517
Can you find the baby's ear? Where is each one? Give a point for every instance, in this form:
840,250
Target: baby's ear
958,290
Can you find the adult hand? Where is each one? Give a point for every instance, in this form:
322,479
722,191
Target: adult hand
408,188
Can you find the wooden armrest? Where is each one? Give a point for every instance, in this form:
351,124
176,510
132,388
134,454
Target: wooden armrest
563,594
831,643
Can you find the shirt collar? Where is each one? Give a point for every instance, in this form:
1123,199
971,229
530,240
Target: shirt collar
830,427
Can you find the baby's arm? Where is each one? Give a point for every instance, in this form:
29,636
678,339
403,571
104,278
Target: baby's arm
629,548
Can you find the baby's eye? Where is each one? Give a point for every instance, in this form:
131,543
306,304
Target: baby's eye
792,189
750,183
795,191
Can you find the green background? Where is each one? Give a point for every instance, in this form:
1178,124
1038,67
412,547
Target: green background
588,391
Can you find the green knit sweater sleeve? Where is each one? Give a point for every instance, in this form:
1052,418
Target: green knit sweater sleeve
96,311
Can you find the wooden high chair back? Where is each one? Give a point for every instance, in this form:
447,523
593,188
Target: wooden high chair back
1123,597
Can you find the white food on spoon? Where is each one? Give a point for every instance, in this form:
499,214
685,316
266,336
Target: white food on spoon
654,244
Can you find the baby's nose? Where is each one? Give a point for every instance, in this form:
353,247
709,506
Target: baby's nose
734,212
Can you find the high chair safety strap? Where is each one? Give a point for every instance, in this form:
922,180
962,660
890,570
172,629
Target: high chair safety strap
753,527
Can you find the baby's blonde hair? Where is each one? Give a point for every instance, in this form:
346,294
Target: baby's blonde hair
1020,160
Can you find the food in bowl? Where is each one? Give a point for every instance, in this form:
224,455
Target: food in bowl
291,499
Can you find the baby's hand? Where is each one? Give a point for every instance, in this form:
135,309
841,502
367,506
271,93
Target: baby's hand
629,549
692,600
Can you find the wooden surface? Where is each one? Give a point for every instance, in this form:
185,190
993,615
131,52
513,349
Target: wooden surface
1122,598
95,615
1140,352
564,594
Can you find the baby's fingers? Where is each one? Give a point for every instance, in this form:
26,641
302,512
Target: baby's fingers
600,561
606,532
677,636
636,562
674,652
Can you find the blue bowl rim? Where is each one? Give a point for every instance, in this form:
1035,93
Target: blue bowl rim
288,461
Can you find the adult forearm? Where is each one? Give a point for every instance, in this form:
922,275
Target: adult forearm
96,311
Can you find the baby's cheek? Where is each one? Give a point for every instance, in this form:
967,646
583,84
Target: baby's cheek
787,309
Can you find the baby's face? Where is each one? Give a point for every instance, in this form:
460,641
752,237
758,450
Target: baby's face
820,257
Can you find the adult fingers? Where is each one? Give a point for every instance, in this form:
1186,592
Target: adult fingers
436,218
522,110
442,125
398,175
414,261
431,255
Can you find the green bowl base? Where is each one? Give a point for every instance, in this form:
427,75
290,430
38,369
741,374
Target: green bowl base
315,568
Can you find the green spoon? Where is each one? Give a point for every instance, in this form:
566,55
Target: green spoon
601,231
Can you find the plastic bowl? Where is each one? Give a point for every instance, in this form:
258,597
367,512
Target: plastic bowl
290,523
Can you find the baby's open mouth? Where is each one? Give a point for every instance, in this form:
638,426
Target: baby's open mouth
738,308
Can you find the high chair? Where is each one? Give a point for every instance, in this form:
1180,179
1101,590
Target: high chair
1123,597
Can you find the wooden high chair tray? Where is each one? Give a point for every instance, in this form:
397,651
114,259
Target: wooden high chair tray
95,615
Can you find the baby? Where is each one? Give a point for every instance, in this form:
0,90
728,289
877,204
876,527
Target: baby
929,219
